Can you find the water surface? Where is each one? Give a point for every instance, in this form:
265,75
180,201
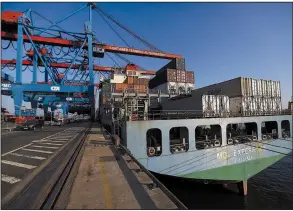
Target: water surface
270,189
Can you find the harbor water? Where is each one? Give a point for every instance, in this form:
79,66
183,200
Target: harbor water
270,189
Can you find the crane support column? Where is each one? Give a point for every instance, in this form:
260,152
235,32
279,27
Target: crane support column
35,63
90,56
19,51
17,93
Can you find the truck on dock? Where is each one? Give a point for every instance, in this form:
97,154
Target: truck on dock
60,115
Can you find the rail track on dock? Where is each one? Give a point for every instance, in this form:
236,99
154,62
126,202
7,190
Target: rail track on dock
42,188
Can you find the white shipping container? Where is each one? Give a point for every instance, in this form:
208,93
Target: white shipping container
259,87
254,87
267,105
276,105
181,88
264,88
209,105
276,89
224,105
241,106
232,88
189,88
258,105
246,86
269,88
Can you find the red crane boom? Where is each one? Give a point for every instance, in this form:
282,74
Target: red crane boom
75,66
107,48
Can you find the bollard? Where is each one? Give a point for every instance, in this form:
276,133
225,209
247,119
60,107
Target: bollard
116,140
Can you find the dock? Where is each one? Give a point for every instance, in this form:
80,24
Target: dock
107,179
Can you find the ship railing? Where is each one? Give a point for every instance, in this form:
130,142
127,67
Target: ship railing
178,147
253,138
194,114
145,90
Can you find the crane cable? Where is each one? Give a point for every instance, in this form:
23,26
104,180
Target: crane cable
120,56
112,28
63,31
98,8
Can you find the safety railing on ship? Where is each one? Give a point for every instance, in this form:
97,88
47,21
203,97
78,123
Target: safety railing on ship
143,89
194,114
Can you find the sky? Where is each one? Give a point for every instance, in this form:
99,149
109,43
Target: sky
220,41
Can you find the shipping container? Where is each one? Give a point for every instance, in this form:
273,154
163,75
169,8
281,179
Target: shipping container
233,88
206,105
224,105
178,64
276,105
168,87
242,106
258,105
168,75
276,89
259,87
267,106
181,88
254,87
189,77
189,87
269,88
264,88
180,76
246,86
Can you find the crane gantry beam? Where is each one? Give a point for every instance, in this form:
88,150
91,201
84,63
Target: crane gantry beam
107,48
75,66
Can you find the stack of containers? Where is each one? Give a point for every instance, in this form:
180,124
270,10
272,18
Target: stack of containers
164,80
172,78
248,96
276,96
181,81
208,105
257,100
189,81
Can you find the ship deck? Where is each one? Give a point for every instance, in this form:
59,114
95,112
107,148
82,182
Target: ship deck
106,180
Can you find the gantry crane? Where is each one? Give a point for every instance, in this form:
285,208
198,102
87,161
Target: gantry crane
16,26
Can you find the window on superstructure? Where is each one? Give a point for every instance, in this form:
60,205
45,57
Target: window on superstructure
241,133
285,127
269,130
154,142
208,136
179,139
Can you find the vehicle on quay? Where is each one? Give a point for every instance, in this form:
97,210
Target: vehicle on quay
30,124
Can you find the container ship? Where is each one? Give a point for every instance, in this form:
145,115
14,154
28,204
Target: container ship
222,133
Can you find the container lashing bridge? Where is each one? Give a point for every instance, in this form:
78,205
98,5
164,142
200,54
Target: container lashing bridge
70,71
